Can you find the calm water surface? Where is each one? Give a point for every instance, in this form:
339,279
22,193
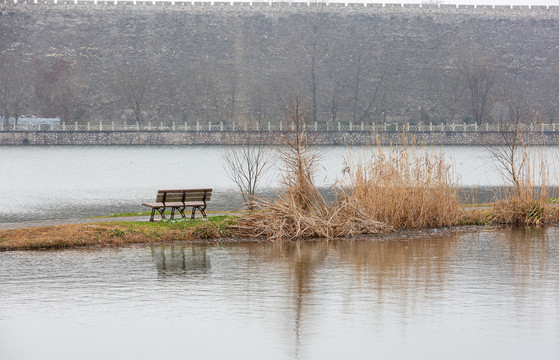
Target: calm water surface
487,295
80,181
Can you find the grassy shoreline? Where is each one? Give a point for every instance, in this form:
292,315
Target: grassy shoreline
116,233
222,228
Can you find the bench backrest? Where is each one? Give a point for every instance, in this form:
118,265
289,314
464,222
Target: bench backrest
184,195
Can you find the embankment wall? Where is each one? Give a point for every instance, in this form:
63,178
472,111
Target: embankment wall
271,137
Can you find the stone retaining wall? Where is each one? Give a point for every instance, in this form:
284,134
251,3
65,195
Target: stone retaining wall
272,137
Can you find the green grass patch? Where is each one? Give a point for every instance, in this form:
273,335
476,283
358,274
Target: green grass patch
177,229
177,224
128,214
148,213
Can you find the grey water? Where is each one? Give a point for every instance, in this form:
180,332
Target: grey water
58,182
484,295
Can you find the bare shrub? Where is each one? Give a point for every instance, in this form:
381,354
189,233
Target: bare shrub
246,165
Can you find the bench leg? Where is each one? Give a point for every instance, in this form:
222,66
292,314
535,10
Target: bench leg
172,213
181,210
202,210
162,212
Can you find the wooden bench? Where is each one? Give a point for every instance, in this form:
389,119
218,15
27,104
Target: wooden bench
180,200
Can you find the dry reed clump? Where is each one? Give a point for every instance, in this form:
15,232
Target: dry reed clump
403,188
285,219
526,203
522,211
301,211
390,190
528,172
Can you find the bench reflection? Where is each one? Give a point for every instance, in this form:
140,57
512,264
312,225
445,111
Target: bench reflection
180,260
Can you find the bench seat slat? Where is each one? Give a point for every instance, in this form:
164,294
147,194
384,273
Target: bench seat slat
186,190
174,204
187,196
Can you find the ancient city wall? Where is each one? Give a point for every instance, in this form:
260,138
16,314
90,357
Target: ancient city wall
196,46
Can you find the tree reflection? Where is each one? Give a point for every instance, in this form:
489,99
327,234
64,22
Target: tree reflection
401,272
528,249
367,284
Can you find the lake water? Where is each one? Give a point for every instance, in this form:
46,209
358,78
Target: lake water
80,181
485,295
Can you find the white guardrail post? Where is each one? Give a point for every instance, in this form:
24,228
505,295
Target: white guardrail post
336,126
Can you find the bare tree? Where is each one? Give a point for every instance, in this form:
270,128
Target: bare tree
313,47
552,94
479,75
209,98
299,158
450,93
368,84
15,86
510,158
232,86
56,89
335,87
135,85
246,165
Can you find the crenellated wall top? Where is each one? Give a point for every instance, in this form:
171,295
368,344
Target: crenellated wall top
294,5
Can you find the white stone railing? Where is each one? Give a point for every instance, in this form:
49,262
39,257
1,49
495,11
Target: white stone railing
278,126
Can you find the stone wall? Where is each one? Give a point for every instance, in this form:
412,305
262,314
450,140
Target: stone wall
273,137
194,48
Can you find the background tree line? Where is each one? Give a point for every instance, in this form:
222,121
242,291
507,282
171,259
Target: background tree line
136,66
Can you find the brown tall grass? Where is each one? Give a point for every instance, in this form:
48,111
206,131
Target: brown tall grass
404,187
526,202
301,211
387,191
526,169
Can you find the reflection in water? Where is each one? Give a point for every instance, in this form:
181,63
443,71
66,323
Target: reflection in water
472,295
180,260
376,267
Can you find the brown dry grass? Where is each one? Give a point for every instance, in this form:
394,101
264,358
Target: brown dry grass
285,219
404,188
300,211
528,170
526,202
385,192
66,236
112,234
